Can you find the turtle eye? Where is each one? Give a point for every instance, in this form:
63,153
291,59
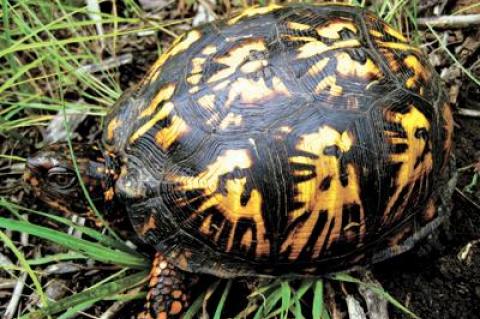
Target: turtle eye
61,177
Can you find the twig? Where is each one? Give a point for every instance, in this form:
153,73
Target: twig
23,235
112,311
465,197
17,293
355,310
107,64
94,13
333,308
468,112
465,252
449,21
376,305
7,283
5,261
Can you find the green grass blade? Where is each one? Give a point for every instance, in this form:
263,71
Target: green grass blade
87,296
195,307
298,309
453,58
221,303
23,262
55,258
317,307
272,300
92,233
21,71
297,296
286,296
377,290
90,249
72,312
260,312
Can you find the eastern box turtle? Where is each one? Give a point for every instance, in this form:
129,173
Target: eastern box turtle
287,140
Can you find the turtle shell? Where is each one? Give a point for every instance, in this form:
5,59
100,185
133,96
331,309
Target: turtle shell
292,139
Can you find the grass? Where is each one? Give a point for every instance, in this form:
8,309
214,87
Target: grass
44,48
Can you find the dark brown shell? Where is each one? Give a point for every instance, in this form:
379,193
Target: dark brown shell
288,139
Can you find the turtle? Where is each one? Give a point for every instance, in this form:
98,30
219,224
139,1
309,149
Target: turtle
287,140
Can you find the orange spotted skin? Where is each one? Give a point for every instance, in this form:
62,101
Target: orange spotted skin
167,297
293,139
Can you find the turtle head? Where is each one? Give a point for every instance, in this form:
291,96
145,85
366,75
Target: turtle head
52,177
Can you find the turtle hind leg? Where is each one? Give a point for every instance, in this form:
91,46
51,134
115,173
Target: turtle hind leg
167,297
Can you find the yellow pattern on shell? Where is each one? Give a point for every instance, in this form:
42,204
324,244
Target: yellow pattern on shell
233,210
209,49
253,11
394,33
194,79
329,82
408,174
197,64
419,72
253,66
331,30
170,134
163,94
311,49
318,67
231,119
392,61
207,102
375,33
230,202
160,115
235,57
298,26
330,201
398,46
294,38
253,91
112,127
348,67
180,45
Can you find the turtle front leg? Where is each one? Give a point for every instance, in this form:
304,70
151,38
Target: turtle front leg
167,297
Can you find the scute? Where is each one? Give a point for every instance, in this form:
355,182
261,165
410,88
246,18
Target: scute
297,139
